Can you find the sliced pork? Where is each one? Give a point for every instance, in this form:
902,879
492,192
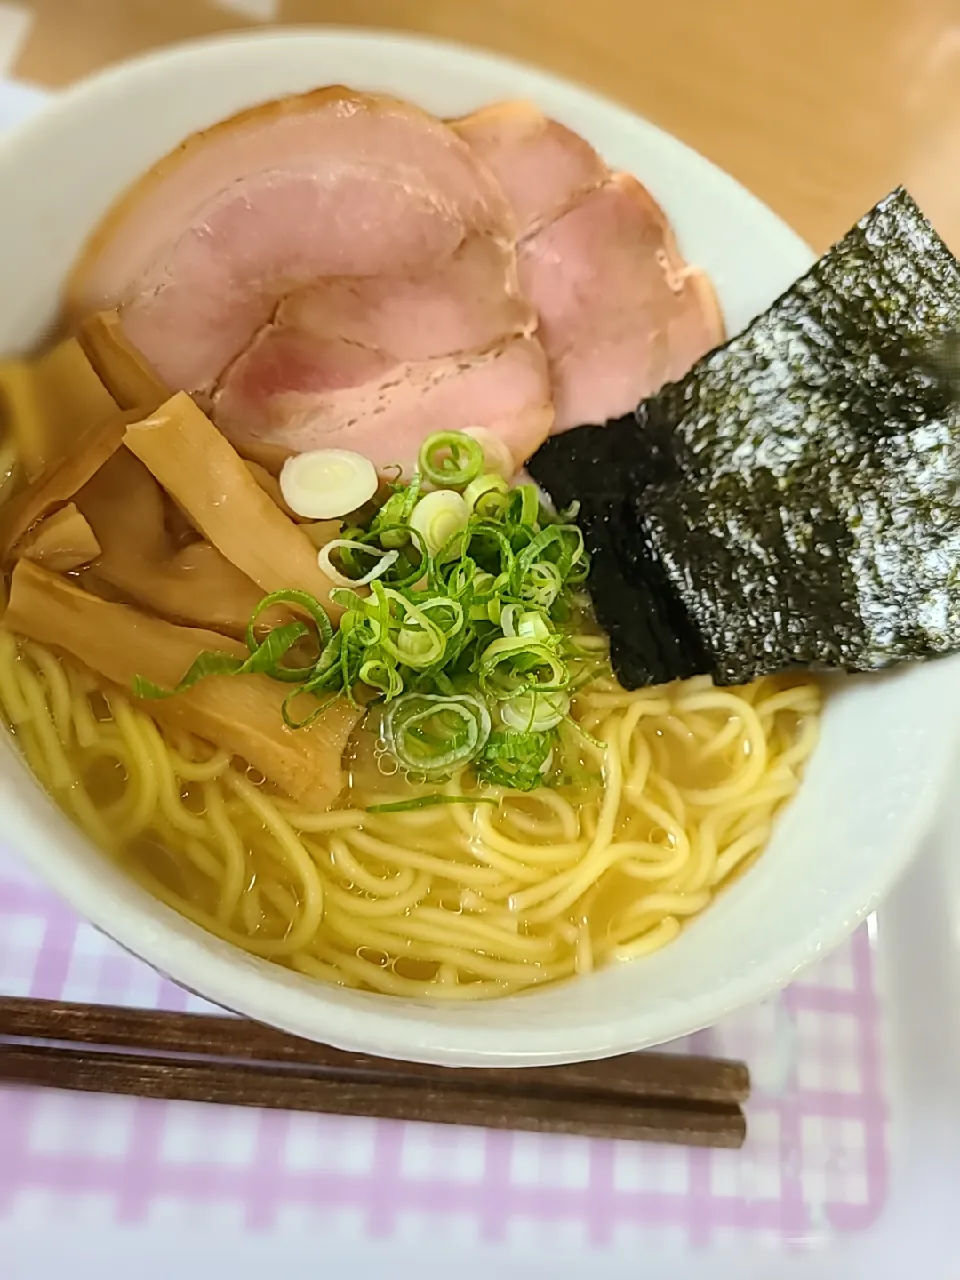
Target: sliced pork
292,392
332,183
620,311
467,302
303,267
541,164
343,268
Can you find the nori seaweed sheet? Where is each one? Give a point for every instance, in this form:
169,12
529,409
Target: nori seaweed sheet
794,501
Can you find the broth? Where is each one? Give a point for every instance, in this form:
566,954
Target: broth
667,796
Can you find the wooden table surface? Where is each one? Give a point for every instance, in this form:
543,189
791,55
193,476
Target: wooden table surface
818,106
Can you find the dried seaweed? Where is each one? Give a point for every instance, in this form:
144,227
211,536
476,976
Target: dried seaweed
793,501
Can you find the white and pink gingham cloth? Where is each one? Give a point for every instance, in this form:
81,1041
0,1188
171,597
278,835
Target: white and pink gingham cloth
815,1163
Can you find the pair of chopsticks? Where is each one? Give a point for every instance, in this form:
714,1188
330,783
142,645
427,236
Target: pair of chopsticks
652,1097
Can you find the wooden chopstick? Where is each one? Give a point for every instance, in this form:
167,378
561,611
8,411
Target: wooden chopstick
211,1058
392,1099
663,1076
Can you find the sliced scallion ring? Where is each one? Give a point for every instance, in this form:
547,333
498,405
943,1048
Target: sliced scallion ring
434,734
533,626
514,664
413,638
324,483
439,517
488,495
450,459
542,583
381,675
525,504
496,456
383,561
534,712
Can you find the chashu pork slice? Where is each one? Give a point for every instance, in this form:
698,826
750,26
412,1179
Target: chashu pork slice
543,166
331,184
621,312
293,391
468,302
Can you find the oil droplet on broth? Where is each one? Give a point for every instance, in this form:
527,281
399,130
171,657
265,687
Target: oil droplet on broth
106,780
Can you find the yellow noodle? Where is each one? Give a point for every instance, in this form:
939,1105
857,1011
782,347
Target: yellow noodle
300,861
14,705
661,904
430,950
395,905
198,770
522,858
319,822
231,847
479,932
651,869
87,816
448,938
535,826
386,981
142,772
58,689
464,872
280,898
647,943
797,754
456,903
378,885
85,725
268,949
57,767
739,851
169,789
250,909
315,968
699,867
583,961
201,857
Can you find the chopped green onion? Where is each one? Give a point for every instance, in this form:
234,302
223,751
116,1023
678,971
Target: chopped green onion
586,735
301,600
474,595
534,712
450,459
439,517
516,760
541,584
383,561
533,626
264,658
413,562
418,641
434,734
514,664
488,495
381,675
525,504
324,483
427,802
496,456
395,512
317,708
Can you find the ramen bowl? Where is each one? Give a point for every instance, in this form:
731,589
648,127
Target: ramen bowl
886,744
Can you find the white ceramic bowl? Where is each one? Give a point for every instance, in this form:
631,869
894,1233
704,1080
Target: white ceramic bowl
887,744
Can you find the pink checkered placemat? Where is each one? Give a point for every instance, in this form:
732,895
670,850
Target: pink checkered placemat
815,1163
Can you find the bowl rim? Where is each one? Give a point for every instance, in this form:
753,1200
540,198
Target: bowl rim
191,956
